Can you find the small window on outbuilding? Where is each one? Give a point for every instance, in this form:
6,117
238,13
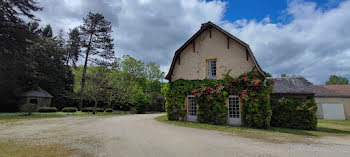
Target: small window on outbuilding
33,101
211,69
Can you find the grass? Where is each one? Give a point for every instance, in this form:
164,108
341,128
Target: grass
20,149
11,117
325,128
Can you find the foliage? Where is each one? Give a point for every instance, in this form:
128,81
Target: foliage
87,109
47,109
124,78
28,108
334,79
47,31
109,110
297,113
51,73
73,47
69,109
140,101
211,96
15,37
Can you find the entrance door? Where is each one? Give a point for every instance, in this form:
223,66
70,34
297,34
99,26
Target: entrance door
234,112
191,109
333,111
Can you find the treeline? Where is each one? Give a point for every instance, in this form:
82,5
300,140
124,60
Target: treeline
126,84
32,56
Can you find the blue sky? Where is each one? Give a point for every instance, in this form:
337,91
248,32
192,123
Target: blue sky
259,9
295,37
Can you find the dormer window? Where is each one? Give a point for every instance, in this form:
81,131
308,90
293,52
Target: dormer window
211,69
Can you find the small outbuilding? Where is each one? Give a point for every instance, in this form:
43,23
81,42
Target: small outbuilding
333,101
293,86
37,96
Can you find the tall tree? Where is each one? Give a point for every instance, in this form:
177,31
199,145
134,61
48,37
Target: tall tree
73,47
334,79
15,37
97,41
61,38
47,31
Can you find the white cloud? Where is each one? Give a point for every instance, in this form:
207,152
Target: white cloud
315,43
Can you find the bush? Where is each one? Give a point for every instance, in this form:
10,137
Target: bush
100,110
69,109
141,102
109,110
87,109
28,108
47,109
296,113
212,112
133,110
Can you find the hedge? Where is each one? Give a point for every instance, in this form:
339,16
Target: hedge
69,109
109,110
211,95
47,109
91,109
296,113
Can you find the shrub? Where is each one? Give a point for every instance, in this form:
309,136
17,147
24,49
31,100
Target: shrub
133,110
47,109
87,109
28,108
69,109
141,102
100,110
296,113
109,110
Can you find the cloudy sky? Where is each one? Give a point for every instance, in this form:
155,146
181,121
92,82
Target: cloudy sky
308,38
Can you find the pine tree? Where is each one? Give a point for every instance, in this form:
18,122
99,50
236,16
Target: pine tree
73,47
97,41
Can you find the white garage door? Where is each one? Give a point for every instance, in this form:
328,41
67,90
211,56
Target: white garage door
333,111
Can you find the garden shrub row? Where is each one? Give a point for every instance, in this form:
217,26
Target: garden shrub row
47,109
91,109
296,113
69,109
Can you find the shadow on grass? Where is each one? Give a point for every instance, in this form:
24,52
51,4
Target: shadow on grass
320,131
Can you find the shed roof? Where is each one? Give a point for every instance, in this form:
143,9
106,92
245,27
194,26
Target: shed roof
39,92
291,85
331,90
204,27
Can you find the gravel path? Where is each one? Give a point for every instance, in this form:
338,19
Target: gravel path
141,135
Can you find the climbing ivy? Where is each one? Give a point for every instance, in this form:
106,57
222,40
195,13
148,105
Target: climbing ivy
211,95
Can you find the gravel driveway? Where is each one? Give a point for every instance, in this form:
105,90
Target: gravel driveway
141,135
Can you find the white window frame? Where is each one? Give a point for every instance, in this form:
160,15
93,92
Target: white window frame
211,69
191,110
236,113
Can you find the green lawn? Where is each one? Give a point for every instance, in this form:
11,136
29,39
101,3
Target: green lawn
20,116
325,128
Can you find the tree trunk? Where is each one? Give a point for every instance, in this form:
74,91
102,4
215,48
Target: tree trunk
82,87
83,78
95,107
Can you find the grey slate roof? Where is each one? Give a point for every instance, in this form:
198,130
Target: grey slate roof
291,85
39,92
331,90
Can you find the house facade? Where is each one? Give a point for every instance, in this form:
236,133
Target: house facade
209,54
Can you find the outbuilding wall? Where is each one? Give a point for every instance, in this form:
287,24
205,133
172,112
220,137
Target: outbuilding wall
332,100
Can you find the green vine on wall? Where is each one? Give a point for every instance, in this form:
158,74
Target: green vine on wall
252,89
